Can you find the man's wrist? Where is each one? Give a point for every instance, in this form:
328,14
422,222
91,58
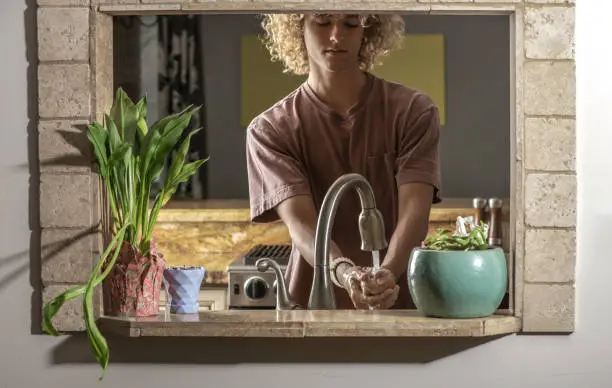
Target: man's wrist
338,268
396,272
341,271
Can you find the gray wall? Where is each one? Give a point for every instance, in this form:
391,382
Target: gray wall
33,361
475,142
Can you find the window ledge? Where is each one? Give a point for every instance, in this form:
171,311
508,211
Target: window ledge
307,323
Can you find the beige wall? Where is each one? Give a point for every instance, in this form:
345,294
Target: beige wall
579,360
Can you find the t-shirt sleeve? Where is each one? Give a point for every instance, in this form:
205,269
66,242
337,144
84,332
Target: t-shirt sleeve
275,171
418,150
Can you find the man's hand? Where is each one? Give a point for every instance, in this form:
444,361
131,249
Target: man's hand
351,279
367,288
380,288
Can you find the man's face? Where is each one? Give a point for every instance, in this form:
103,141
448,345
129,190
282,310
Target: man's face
333,41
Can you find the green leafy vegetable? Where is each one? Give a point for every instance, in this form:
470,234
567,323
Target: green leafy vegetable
445,240
130,157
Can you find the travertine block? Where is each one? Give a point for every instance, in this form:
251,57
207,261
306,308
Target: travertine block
550,200
64,90
67,255
63,146
59,3
550,255
550,144
545,1
498,1
65,200
549,32
549,88
102,63
63,34
115,1
70,316
549,308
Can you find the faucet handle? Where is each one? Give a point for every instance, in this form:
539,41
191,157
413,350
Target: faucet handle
283,302
372,230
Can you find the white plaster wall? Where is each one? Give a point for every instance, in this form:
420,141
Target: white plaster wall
580,360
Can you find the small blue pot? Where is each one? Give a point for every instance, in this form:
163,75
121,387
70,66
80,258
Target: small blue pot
183,285
457,284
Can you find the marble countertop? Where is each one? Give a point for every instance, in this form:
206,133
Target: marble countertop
237,210
307,323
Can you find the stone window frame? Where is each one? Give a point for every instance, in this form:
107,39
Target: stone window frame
75,86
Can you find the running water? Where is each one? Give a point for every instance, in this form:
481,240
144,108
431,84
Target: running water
376,260
376,266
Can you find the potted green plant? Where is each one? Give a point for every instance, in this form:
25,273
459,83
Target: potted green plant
130,156
456,274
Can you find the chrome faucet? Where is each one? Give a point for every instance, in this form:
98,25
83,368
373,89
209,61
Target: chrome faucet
283,302
371,230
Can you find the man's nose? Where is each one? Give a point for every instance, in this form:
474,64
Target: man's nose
337,33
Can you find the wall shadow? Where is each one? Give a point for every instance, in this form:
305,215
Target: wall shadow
31,54
195,350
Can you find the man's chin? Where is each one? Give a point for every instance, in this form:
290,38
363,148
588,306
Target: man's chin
341,68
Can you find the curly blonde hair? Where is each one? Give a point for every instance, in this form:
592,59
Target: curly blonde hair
284,39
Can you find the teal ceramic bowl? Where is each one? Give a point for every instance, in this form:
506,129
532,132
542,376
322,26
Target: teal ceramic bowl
457,284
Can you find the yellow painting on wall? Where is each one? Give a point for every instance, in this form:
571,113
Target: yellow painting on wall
418,64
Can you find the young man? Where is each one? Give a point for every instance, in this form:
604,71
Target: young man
344,120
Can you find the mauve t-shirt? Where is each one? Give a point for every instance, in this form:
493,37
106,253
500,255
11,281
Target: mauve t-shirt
300,146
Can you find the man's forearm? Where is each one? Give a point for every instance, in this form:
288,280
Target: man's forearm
303,234
300,217
411,229
409,233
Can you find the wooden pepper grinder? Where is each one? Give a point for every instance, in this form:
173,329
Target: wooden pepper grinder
479,205
495,222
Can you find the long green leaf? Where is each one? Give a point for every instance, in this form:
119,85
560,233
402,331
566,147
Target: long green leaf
96,339
125,114
158,127
119,158
179,159
98,137
114,138
172,132
54,305
187,171
141,108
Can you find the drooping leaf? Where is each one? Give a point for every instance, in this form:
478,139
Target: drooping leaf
96,339
53,306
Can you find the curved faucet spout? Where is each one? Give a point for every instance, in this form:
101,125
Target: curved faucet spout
371,229
283,301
